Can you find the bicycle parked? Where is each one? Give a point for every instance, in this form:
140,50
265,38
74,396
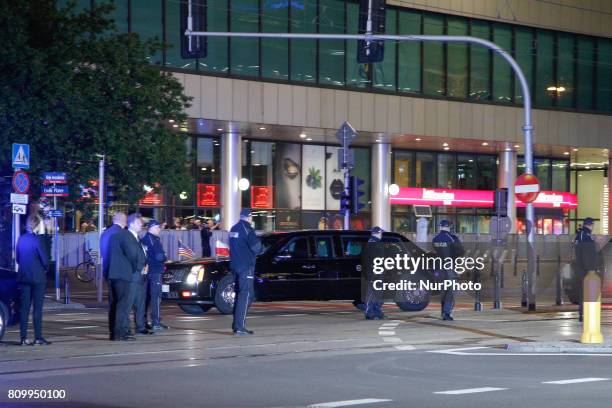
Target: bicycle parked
86,270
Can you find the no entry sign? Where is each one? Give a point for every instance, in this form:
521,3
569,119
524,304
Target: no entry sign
527,188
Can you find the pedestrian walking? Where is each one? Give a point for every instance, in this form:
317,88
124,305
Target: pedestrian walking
586,258
244,248
447,245
119,224
32,263
127,261
373,305
155,259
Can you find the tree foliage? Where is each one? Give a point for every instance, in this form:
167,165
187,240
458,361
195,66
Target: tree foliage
73,87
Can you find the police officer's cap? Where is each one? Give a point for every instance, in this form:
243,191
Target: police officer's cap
152,223
444,223
377,230
588,221
245,213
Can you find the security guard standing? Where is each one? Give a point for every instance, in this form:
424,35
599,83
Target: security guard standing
586,257
373,306
244,248
155,259
447,245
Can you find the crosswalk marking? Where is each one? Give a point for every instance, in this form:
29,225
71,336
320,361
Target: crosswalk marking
470,391
79,327
575,381
348,403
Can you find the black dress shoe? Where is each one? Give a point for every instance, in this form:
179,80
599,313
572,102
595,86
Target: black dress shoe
126,338
243,332
42,341
370,318
447,317
145,331
25,342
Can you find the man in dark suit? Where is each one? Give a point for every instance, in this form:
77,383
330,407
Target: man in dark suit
127,261
32,279
119,223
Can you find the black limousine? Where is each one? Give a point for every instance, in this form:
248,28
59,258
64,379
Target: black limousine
9,299
301,265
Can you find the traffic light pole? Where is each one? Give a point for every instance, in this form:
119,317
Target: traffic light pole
527,126
99,274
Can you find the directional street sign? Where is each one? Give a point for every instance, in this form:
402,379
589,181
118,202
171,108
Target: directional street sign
19,198
21,182
55,178
54,191
346,133
527,188
19,209
55,213
21,156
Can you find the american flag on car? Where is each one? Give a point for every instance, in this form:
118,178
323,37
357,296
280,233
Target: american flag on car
184,251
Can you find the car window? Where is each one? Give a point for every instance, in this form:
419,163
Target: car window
268,241
324,247
353,246
298,248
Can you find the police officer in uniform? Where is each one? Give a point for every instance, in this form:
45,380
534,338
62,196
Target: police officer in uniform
244,248
155,259
373,305
447,245
586,257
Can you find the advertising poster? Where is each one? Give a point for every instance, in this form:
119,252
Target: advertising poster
334,184
313,177
261,196
287,220
208,195
287,175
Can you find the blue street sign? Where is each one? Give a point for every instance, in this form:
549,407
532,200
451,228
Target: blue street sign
54,191
55,213
21,156
55,178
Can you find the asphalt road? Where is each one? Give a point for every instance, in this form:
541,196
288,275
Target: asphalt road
307,354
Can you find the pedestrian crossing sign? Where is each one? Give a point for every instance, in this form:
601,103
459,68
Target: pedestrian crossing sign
21,156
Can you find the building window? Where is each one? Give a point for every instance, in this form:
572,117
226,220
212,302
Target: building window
331,52
446,170
480,63
560,173
487,172
545,80
433,56
217,54
425,174
402,169
524,53
173,38
244,52
586,73
604,74
466,171
502,72
383,73
303,52
357,75
147,22
565,69
457,80
274,52
409,53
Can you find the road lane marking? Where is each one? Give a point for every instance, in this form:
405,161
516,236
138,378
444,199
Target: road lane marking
470,391
392,340
575,381
292,315
386,333
463,352
405,347
79,327
348,403
67,314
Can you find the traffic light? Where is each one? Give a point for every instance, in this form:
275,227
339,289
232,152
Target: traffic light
500,202
110,195
373,51
198,14
355,193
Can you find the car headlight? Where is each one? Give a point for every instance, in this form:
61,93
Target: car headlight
196,274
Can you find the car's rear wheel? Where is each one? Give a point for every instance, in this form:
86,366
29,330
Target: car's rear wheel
225,295
412,300
4,317
193,309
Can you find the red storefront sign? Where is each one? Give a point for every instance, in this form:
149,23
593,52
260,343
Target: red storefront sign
261,196
476,198
152,198
208,195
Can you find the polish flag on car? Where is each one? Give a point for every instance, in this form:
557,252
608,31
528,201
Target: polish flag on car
221,249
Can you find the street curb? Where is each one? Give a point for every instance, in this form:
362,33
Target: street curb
559,347
53,305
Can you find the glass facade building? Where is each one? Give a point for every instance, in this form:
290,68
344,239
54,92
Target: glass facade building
565,70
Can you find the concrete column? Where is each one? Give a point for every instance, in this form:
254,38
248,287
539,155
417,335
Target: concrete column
381,179
506,177
231,169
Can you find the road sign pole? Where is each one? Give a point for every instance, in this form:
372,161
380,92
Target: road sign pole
16,233
99,277
57,253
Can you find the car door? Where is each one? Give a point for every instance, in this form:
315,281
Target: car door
289,269
349,264
326,265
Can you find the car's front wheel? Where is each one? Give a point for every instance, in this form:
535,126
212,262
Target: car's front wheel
192,309
412,300
4,317
225,295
